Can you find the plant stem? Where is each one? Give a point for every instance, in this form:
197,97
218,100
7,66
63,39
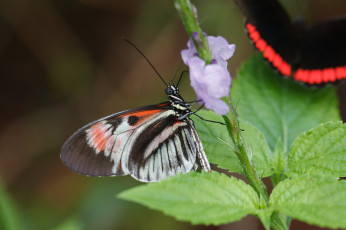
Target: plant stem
188,15
242,151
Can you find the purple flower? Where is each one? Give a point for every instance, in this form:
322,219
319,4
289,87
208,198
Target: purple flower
211,82
221,51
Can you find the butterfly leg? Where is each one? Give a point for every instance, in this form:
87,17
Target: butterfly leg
186,104
202,118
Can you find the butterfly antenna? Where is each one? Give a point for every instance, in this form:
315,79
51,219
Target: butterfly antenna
181,76
152,66
176,72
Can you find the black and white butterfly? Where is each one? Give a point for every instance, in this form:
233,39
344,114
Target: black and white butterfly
150,143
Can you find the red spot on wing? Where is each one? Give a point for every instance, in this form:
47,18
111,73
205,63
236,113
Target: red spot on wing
301,75
315,76
98,135
278,61
268,52
142,113
340,72
285,69
250,27
163,104
255,36
261,45
318,76
328,75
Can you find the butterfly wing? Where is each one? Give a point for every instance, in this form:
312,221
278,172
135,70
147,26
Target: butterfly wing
312,55
269,27
148,143
323,56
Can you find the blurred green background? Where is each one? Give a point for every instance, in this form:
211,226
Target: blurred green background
63,64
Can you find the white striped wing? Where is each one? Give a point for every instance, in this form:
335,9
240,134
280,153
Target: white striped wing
178,151
148,143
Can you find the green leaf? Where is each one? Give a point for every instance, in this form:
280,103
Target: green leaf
279,158
261,154
70,224
315,200
278,107
9,216
278,163
322,150
200,198
265,216
219,149
216,141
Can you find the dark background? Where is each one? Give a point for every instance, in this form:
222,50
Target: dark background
63,64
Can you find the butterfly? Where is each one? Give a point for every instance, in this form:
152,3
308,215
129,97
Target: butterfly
313,55
150,143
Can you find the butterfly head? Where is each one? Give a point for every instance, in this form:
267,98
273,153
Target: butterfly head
172,90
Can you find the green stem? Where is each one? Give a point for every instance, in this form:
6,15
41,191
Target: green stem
242,150
188,15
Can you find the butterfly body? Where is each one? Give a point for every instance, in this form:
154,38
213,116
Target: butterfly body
150,143
310,54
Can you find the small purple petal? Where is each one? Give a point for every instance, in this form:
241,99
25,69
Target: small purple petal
220,49
189,52
211,82
220,107
218,80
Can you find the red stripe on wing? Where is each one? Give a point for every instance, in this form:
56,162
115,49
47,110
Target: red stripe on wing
143,113
268,52
98,135
318,76
309,76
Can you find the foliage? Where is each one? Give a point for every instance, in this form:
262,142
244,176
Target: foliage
202,198
8,211
295,138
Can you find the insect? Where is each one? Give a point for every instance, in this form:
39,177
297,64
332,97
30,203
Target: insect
150,143
313,55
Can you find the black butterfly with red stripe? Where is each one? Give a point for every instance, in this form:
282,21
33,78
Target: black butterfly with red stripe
313,55
150,143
